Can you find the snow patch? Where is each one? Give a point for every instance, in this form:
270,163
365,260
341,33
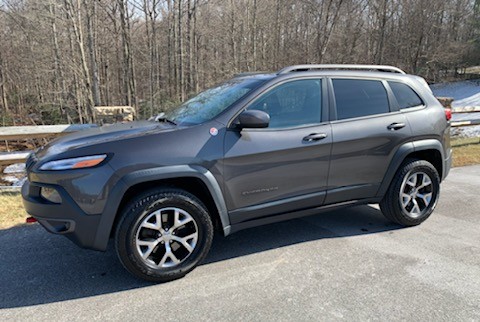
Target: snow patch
19,182
15,168
464,93
14,174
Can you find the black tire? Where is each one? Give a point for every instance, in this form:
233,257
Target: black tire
391,204
140,208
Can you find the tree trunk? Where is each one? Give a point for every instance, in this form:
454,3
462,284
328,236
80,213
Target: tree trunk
58,69
278,37
3,87
174,49
76,91
233,42
197,51
381,31
189,70
181,71
128,66
170,45
148,17
76,24
91,14
156,64
254,35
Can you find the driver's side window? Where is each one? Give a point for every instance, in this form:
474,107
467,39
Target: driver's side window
292,104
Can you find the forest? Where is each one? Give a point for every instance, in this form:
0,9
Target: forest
60,58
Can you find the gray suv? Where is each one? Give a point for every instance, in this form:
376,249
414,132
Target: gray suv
256,149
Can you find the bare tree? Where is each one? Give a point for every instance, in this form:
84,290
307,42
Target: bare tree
60,58
91,9
74,15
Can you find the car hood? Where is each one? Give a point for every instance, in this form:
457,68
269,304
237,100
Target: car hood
102,134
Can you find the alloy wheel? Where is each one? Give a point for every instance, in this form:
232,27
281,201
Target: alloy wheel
166,237
416,193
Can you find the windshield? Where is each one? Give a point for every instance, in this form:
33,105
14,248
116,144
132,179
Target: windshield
210,103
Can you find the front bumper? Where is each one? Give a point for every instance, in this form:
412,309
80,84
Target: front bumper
65,218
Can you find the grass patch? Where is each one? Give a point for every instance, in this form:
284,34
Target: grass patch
466,151
11,210
458,142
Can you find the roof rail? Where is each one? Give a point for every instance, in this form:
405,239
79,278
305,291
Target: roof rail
244,74
381,68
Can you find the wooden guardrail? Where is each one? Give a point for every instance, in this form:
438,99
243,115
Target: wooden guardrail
9,133
447,103
467,109
7,158
48,131
465,123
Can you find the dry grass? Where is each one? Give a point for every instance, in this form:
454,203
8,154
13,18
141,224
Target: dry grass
465,152
11,210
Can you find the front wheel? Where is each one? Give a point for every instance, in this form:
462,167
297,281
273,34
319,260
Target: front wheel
413,193
163,234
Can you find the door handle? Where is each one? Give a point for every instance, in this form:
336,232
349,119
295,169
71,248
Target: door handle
315,137
396,126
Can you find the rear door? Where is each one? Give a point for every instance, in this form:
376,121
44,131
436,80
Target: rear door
283,167
367,130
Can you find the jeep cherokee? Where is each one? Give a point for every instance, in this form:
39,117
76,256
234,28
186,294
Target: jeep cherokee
256,149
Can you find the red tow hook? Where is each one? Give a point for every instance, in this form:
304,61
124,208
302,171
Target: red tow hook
30,220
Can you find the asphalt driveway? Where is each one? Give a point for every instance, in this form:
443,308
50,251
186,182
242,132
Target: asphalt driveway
347,264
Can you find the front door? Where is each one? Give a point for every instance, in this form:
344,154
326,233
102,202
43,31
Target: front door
283,167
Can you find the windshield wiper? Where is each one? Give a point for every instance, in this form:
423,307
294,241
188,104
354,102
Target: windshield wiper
164,119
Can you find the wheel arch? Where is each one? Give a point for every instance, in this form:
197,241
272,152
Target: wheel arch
196,180
430,150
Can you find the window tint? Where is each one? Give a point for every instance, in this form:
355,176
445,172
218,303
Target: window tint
292,104
357,98
405,96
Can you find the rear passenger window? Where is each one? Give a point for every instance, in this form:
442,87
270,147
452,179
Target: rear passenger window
406,97
357,97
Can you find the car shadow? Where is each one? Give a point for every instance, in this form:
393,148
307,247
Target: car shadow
39,268
353,221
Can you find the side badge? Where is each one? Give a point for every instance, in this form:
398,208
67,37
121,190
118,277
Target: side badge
213,131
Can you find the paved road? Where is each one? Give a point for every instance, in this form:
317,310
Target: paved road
349,264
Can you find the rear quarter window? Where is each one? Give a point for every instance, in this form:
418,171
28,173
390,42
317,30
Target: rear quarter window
359,97
405,95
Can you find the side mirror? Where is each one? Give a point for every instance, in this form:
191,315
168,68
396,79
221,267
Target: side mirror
253,119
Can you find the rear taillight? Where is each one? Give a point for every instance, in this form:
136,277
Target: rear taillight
448,114
30,220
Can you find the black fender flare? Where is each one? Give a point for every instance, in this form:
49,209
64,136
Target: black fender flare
403,151
153,174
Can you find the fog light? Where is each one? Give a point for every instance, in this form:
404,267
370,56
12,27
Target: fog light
50,194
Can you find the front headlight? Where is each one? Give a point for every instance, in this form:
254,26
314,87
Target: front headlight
74,163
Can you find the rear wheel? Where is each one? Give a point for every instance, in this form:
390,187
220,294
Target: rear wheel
413,193
163,234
